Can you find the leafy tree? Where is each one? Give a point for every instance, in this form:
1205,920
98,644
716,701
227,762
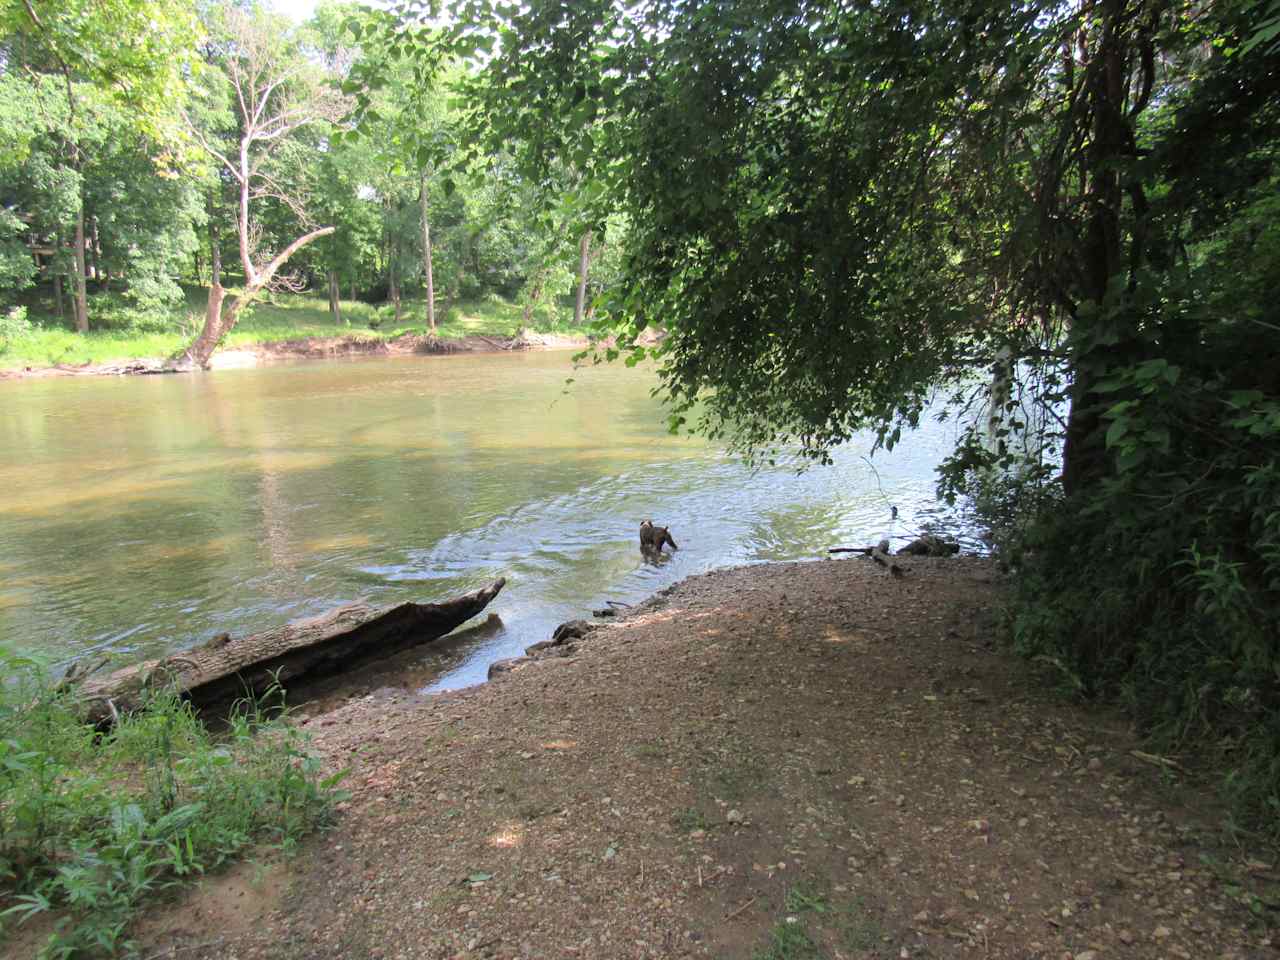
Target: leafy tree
276,96
130,52
834,209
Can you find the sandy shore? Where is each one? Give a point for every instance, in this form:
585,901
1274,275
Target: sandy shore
782,761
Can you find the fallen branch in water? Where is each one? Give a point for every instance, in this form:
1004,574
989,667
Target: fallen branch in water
224,669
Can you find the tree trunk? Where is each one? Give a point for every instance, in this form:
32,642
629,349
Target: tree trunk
215,252
95,248
81,294
335,306
1084,453
394,279
535,296
211,332
221,319
224,669
426,254
57,296
584,263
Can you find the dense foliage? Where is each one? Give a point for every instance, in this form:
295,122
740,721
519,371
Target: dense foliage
834,209
123,180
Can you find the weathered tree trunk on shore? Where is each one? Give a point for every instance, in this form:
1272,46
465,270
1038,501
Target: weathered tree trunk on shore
218,324
427,270
80,290
335,298
224,669
584,264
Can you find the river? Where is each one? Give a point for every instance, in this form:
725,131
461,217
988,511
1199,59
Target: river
141,515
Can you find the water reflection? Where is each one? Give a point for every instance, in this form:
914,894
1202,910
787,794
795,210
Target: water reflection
143,515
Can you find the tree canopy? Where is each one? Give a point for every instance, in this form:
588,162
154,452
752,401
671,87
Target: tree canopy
835,209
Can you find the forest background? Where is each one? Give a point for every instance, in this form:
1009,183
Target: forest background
158,159
1064,212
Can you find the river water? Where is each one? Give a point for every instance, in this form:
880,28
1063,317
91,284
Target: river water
142,515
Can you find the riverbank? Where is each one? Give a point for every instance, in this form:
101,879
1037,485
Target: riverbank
293,326
316,348
783,761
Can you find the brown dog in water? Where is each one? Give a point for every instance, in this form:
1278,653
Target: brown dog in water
653,538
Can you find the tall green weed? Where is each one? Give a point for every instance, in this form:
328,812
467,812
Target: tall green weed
93,824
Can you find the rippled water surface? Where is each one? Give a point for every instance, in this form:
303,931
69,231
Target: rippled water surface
142,515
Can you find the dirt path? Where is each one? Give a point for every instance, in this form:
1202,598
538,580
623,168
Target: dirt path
781,762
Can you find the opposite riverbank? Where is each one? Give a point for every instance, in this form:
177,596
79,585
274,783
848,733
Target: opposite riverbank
782,761
290,328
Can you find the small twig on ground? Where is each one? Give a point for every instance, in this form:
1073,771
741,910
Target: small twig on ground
741,909
1156,760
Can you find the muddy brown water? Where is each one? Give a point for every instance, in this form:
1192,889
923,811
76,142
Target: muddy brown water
142,515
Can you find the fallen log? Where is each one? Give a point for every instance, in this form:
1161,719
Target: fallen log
881,556
224,669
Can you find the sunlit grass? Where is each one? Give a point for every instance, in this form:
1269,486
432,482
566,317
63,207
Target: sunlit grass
274,319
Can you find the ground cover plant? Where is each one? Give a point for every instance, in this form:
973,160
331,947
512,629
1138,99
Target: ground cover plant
94,824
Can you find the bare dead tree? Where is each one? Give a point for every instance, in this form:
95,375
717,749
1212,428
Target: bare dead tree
273,102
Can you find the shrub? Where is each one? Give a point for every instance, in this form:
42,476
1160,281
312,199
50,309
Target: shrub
90,825
14,326
1159,586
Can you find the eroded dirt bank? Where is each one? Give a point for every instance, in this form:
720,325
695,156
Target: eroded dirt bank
814,759
312,348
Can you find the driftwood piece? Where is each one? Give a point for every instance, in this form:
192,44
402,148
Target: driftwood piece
224,669
881,556
930,545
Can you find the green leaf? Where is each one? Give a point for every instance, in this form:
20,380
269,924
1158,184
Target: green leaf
1116,432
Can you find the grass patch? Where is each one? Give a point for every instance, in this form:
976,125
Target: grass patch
690,819
788,940
857,929
118,334
91,826
738,779
814,919
804,898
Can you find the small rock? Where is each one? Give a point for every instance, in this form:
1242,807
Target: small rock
1126,937
1161,933
1095,763
734,816
1087,955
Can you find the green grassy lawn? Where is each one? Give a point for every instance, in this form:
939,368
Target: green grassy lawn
116,337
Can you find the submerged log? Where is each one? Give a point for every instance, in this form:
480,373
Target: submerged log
223,669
